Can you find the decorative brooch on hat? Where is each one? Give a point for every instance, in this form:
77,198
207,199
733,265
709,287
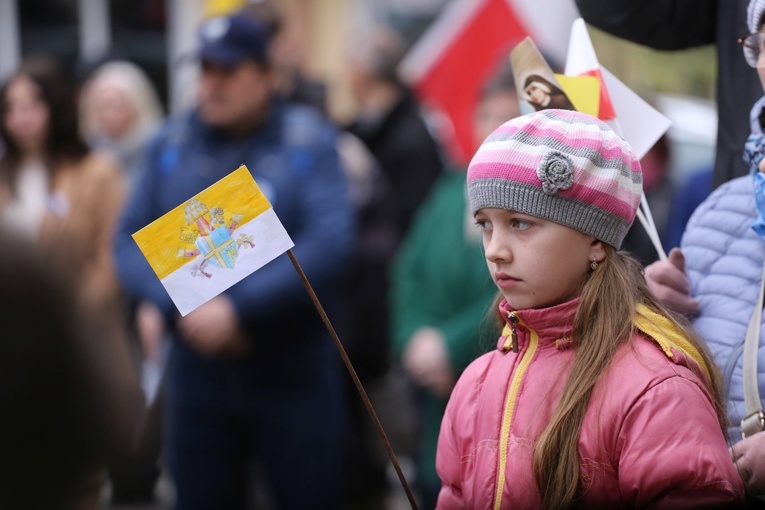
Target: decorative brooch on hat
556,172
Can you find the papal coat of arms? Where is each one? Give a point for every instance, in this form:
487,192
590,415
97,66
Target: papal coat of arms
206,229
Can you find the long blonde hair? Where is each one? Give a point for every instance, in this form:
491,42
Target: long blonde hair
609,294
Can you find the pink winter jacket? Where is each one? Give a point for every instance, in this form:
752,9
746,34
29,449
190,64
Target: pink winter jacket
650,437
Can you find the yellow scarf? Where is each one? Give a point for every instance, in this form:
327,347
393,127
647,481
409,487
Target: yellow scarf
665,333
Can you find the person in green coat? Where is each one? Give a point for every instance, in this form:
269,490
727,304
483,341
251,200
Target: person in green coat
441,293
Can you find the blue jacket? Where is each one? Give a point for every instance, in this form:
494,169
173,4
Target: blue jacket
294,160
724,263
724,259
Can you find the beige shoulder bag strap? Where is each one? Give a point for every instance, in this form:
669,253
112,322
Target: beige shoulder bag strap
754,421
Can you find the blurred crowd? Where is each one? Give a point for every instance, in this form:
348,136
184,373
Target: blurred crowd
111,398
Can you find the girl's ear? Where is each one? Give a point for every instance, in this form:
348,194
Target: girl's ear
597,252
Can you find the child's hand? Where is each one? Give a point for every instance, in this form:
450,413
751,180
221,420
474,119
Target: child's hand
426,359
669,283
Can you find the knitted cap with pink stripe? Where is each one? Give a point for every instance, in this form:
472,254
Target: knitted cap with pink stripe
563,166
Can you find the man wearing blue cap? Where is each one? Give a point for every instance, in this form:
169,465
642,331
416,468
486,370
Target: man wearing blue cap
254,383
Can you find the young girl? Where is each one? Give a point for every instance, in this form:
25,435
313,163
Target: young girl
596,396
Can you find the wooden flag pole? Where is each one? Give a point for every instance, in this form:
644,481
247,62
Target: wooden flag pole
355,378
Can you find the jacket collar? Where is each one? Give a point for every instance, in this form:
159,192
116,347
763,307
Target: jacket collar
555,324
551,324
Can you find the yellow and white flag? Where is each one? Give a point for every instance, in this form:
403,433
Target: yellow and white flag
213,240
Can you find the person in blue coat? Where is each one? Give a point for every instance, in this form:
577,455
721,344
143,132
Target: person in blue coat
253,383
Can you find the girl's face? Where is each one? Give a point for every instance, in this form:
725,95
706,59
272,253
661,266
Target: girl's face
26,115
535,263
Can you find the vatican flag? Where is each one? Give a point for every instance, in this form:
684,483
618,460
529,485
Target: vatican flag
213,240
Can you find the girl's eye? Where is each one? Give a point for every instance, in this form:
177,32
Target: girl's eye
520,224
483,224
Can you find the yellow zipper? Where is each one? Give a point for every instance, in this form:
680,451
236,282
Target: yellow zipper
512,393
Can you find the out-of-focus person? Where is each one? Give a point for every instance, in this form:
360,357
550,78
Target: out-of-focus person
682,24
287,51
254,383
53,189
60,388
119,111
440,303
61,200
391,124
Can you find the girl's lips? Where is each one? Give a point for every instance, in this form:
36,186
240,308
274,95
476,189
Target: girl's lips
505,281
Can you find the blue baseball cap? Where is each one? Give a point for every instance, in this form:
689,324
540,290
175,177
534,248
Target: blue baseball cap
230,40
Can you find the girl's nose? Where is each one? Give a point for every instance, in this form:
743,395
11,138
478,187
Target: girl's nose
497,249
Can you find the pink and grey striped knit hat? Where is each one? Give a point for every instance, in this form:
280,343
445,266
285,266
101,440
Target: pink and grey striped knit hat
563,166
